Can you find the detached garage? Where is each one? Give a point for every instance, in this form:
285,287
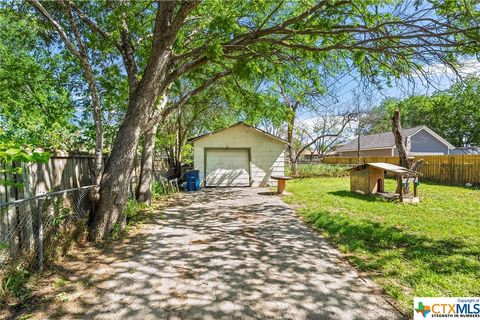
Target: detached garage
239,156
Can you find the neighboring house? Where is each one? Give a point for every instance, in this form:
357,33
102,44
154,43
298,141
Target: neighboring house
239,156
424,141
466,150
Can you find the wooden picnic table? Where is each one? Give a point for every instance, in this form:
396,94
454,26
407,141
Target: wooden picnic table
281,183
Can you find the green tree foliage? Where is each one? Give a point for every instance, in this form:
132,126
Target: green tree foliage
12,152
221,105
453,113
35,104
156,43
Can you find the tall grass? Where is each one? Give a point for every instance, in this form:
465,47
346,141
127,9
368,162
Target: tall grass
322,170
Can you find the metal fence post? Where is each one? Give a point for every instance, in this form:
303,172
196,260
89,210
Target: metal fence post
40,235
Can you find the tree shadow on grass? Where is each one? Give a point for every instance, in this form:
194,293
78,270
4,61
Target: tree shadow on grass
353,195
443,257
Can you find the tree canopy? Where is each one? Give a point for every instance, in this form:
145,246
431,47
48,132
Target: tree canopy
119,61
35,104
453,113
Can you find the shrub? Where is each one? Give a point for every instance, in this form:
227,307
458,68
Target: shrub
162,188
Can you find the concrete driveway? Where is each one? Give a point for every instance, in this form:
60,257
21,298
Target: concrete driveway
227,254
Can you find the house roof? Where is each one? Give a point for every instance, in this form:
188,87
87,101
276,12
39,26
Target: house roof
387,167
386,140
466,150
269,135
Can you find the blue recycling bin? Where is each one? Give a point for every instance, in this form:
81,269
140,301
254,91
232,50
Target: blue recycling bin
193,180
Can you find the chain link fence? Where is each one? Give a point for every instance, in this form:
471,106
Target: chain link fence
35,231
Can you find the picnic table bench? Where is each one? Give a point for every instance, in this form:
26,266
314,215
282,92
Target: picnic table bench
281,183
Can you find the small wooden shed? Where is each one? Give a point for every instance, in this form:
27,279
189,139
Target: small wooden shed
369,178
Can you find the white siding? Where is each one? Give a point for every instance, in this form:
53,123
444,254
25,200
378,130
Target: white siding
267,154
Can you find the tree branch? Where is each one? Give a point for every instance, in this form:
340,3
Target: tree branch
89,22
393,37
125,45
97,113
164,112
184,99
70,46
346,120
128,54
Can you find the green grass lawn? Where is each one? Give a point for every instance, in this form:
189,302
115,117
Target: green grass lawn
428,249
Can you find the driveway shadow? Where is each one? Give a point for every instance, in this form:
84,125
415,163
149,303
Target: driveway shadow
220,254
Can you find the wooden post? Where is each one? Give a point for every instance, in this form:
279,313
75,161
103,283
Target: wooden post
451,169
400,183
281,186
415,187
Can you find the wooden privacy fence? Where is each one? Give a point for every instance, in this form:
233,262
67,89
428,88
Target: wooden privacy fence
46,207
448,169
63,171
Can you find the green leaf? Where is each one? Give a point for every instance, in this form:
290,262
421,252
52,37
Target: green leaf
12,151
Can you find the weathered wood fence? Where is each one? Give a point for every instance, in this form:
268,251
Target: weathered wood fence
63,171
45,208
448,169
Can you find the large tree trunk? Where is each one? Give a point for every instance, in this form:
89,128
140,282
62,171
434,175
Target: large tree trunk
400,142
169,19
118,171
144,190
116,179
403,148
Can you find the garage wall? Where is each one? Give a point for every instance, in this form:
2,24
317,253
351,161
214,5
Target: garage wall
268,155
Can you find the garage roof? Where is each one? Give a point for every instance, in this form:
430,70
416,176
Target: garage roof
271,136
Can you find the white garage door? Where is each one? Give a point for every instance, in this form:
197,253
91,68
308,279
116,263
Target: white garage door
227,168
